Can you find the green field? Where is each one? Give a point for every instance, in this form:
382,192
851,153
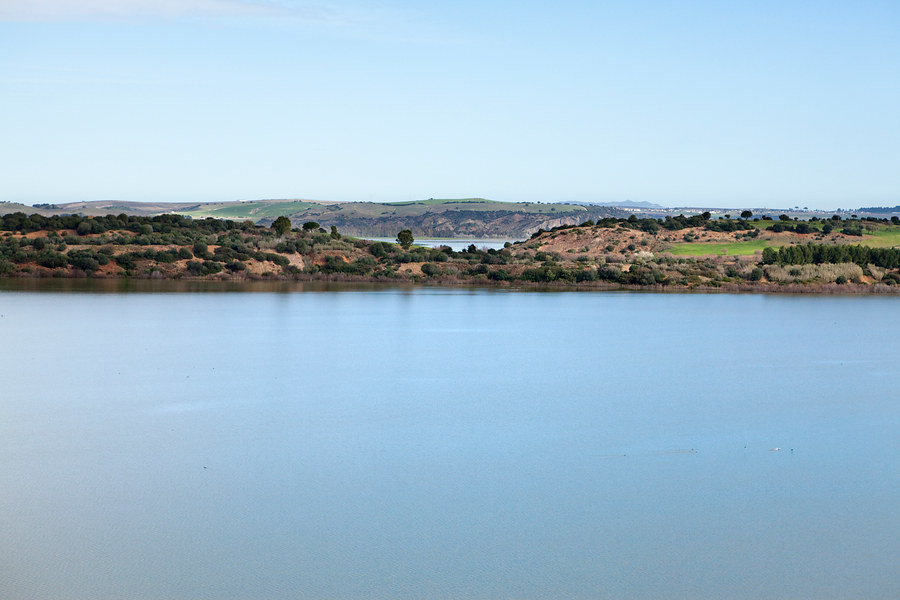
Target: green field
720,249
259,209
247,210
884,237
480,204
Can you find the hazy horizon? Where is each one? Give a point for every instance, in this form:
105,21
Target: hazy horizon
626,204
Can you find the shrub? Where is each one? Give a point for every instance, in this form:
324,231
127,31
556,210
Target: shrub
86,260
201,250
84,228
51,259
126,260
431,270
211,267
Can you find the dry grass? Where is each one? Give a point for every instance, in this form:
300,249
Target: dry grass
826,273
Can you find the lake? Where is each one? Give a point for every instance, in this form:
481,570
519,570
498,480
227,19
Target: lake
455,244
370,442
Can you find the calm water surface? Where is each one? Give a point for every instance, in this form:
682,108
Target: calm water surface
436,443
456,244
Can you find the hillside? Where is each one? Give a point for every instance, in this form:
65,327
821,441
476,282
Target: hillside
436,218
476,218
678,253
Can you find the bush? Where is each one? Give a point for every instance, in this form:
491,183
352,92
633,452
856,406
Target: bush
86,260
201,250
126,260
211,267
51,259
381,249
608,273
431,270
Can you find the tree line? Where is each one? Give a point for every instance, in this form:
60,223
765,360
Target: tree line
812,253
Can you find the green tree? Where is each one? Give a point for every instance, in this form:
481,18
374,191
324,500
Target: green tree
746,214
281,225
310,226
334,233
405,238
431,270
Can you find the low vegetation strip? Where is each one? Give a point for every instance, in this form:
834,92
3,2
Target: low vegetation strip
725,249
611,252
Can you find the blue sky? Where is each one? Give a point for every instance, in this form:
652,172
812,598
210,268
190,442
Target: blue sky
728,104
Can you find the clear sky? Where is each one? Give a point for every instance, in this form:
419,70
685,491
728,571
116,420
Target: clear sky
731,104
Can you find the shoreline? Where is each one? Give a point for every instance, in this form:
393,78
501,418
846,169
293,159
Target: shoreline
39,282
612,255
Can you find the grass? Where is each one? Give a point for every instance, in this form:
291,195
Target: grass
248,210
883,237
259,209
719,248
481,204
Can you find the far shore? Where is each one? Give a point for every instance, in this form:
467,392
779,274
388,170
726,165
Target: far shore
681,255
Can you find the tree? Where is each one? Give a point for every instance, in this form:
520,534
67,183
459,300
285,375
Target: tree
281,225
746,214
405,238
431,270
310,226
334,233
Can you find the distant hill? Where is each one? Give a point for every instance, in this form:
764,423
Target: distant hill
880,210
438,218
432,217
630,204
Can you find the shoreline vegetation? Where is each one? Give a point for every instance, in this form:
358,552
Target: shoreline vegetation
698,253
